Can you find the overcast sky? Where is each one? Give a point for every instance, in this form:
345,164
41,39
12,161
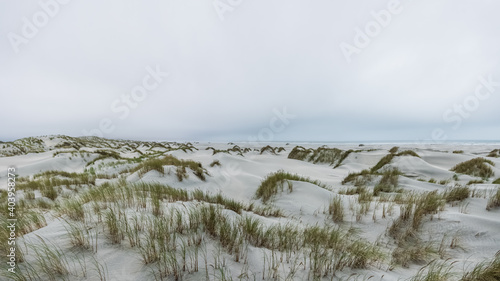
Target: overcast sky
321,70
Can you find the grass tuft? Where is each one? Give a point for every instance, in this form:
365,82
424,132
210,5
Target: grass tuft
336,209
494,201
275,182
457,193
484,271
477,167
388,183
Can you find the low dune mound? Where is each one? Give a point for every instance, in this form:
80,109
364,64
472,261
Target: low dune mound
271,150
417,167
323,155
277,181
388,158
494,153
169,160
477,167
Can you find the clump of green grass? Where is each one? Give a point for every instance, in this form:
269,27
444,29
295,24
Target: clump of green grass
407,252
181,165
458,151
394,150
51,259
320,155
152,165
494,153
230,204
336,209
275,182
497,181
408,153
494,201
428,203
215,151
49,192
344,155
475,182
73,208
365,177
268,148
47,181
112,221
435,271
215,163
413,209
388,158
353,191
477,167
30,220
485,271
103,154
388,183
456,193
29,195
444,182
382,162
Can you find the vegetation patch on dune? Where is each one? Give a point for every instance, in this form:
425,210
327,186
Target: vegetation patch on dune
360,178
494,200
215,163
388,182
494,153
477,167
388,177
275,182
235,149
104,154
272,150
485,271
169,160
414,209
388,158
322,155
456,193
